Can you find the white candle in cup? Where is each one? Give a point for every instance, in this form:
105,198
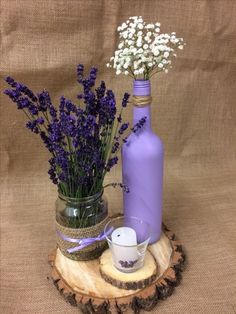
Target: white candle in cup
124,240
124,236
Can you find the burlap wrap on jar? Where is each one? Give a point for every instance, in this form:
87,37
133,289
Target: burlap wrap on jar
90,252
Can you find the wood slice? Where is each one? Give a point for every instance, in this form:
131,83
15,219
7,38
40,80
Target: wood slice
82,285
129,281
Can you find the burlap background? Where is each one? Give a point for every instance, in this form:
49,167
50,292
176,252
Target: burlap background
193,112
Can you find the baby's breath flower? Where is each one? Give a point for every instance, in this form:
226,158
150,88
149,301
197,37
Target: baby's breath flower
142,50
166,54
123,25
149,26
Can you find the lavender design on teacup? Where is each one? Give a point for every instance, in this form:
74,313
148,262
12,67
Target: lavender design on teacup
128,264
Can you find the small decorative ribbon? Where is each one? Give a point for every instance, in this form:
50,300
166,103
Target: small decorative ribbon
84,241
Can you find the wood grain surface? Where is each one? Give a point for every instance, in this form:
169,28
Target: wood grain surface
82,285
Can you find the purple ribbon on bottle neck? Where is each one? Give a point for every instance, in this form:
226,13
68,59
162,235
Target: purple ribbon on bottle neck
83,242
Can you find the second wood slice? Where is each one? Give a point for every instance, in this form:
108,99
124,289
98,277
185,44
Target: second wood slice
129,281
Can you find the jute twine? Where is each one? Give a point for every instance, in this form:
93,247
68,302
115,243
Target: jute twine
142,101
90,252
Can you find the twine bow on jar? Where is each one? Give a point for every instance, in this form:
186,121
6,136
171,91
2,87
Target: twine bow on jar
82,243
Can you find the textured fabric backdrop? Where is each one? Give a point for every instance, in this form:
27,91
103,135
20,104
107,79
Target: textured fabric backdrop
194,112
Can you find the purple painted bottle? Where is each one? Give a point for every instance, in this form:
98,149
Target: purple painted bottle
142,168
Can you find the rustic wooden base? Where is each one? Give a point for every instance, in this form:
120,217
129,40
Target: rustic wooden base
82,285
140,279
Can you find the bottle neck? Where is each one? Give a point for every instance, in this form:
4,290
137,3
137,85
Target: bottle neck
139,113
142,88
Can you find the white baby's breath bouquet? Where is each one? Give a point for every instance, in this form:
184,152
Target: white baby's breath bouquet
143,50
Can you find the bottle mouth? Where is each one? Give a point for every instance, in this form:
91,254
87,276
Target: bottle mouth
141,80
142,88
83,200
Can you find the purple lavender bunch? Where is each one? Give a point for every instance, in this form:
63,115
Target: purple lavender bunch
83,139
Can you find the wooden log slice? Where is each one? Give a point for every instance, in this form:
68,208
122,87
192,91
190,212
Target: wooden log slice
129,281
82,285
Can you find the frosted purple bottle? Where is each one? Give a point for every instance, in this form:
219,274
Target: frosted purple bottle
142,168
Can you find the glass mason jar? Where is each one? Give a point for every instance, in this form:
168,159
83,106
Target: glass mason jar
81,218
81,212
